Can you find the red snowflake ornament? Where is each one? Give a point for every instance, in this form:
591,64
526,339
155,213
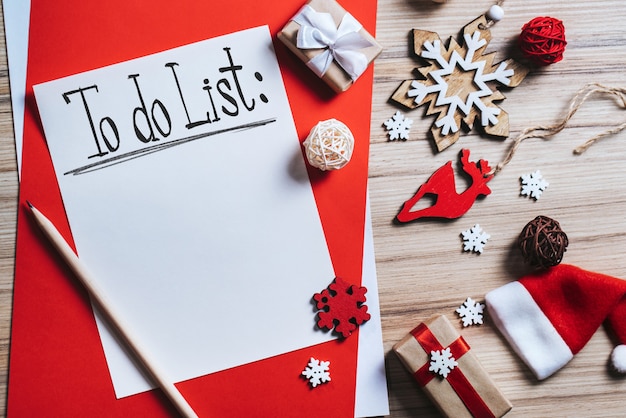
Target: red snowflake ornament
341,307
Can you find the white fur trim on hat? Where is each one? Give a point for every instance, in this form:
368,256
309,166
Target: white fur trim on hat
618,358
528,329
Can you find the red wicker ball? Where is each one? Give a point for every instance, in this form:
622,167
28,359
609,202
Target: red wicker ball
543,40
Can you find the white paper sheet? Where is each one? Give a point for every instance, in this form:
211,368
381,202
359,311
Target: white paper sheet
205,237
371,380
16,24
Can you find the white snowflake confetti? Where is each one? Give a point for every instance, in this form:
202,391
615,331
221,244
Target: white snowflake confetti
442,362
317,372
474,239
398,126
480,98
471,312
533,184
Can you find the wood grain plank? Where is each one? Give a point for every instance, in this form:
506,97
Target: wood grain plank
422,269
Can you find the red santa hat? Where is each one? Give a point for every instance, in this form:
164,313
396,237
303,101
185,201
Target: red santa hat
549,316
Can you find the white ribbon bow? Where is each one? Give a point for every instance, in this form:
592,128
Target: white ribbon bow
318,31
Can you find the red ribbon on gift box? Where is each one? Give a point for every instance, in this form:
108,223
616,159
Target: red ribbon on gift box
463,388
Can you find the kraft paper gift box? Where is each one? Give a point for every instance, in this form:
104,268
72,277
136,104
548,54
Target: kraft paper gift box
331,42
467,390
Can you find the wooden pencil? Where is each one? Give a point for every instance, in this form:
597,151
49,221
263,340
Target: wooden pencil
106,310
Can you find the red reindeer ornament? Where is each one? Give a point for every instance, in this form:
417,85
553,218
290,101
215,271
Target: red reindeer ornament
448,203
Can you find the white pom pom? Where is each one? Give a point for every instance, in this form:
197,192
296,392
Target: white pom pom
495,13
329,145
618,358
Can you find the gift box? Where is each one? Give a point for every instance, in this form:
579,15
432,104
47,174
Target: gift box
444,366
331,42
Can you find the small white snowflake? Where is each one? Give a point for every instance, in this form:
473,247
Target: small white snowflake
471,312
442,362
533,184
398,126
474,239
317,372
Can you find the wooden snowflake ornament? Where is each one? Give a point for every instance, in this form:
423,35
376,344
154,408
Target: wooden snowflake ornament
460,84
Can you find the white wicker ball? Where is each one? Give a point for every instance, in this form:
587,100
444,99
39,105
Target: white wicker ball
329,145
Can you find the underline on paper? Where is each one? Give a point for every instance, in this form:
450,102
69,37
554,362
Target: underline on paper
122,158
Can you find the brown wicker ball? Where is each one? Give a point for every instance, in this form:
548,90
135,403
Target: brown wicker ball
542,242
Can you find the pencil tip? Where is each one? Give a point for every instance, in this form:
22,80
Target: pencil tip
30,205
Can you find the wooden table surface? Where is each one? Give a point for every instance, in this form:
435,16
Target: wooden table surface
422,268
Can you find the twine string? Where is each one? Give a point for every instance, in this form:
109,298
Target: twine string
548,131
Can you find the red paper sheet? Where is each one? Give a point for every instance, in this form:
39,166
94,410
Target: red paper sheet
57,365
